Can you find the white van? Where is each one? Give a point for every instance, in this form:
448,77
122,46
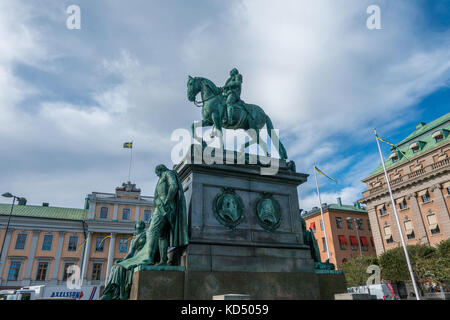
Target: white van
381,291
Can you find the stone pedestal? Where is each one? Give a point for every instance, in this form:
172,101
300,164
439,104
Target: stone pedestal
245,236
249,245
204,285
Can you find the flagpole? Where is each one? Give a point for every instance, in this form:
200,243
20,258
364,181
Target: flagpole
397,220
321,213
131,158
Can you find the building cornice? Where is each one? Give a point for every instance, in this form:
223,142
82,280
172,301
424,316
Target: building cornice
427,173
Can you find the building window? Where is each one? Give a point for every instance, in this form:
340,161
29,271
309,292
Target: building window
350,224
339,223
415,147
126,213
383,211
354,242
388,234
96,271
147,215
103,213
123,245
364,243
66,269
42,271
99,244
368,225
321,225
433,223
47,244
426,197
372,242
342,242
324,245
73,242
21,241
438,136
14,269
360,224
403,205
409,229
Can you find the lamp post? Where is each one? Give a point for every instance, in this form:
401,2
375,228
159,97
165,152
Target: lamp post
9,195
357,232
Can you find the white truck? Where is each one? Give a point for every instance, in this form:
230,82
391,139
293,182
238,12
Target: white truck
45,292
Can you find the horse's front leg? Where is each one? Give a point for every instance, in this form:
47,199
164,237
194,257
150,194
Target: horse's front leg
217,120
205,123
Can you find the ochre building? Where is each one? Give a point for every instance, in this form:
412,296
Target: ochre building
348,231
43,241
421,187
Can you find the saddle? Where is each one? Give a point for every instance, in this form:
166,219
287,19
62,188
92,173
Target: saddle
240,111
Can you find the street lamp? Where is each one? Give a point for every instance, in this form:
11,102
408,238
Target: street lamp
357,232
9,195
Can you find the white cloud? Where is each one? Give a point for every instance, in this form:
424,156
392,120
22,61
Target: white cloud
313,66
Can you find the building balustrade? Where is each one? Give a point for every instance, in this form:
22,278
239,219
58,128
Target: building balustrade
409,177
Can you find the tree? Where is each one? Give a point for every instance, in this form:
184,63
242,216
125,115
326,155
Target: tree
355,270
394,268
440,264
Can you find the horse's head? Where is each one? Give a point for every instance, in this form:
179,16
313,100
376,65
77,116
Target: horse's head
193,87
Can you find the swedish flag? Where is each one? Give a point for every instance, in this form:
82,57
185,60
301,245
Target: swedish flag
128,145
319,171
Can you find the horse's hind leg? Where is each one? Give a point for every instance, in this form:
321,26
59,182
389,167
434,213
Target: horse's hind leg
252,141
263,145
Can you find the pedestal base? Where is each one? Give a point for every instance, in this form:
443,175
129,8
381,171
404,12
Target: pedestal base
204,285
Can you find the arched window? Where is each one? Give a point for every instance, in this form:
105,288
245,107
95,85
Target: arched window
103,213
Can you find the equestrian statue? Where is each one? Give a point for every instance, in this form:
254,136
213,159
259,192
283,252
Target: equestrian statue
222,107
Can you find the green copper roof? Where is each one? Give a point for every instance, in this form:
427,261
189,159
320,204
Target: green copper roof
422,135
44,212
336,207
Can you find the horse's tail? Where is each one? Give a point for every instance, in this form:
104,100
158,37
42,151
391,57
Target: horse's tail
281,150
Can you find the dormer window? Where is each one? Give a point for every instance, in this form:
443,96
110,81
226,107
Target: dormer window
438,136
394,157
415,147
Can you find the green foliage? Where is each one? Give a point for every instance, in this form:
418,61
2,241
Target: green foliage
428,263
355,270
440,264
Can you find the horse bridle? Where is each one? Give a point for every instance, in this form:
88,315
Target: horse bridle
197,103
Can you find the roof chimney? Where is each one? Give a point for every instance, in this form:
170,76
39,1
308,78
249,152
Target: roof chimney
420,125
339,201
45,204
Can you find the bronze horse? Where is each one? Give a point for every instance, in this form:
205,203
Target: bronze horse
250,116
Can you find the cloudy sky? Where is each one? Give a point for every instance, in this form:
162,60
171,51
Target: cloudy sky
70,98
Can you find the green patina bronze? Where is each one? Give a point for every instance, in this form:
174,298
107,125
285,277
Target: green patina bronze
228,208
310,240
168,227
118,284
223,108
268,212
